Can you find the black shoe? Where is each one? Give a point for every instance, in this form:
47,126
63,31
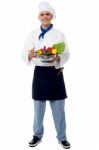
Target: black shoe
35,141
65,144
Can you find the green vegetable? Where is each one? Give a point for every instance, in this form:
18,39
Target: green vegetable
60,47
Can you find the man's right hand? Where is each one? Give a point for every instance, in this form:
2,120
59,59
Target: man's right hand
32,54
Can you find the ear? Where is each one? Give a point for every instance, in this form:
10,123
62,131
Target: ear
51,16
39,17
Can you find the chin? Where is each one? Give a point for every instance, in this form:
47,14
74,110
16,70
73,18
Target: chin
46,23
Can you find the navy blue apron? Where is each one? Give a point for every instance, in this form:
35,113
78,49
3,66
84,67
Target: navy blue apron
47,85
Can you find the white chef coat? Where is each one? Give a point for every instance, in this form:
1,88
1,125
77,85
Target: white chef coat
51,37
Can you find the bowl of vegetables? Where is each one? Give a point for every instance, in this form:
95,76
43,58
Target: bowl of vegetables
50,53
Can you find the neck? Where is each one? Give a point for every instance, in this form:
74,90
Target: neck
45,26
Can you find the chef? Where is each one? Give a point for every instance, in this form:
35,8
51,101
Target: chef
48,80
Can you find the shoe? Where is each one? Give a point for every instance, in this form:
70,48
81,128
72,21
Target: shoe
65,144
35,141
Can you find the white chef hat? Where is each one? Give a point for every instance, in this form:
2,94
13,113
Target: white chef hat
44,6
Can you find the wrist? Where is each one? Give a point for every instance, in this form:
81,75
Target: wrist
29,57
58,59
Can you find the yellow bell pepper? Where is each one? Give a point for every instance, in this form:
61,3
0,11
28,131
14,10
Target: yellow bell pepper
39,52
54,51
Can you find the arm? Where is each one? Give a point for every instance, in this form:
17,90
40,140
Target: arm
27,53
63,56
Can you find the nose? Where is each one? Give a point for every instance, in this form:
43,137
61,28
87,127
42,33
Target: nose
45,16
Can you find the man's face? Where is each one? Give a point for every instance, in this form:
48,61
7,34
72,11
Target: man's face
45,17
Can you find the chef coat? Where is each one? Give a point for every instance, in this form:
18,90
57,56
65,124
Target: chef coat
51,37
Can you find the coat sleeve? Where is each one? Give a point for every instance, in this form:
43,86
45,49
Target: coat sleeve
64,56
27,46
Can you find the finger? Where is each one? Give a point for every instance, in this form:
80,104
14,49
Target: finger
32,51
50,61
34,55
61,69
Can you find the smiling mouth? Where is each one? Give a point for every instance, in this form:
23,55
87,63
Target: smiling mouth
45,20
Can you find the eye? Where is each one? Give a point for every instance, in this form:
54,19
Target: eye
41,14
48,14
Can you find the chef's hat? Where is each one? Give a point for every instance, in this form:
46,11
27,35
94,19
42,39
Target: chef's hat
44,6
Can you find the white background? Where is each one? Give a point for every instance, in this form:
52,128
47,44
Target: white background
79,20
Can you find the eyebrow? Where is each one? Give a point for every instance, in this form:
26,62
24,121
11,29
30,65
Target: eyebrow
42,14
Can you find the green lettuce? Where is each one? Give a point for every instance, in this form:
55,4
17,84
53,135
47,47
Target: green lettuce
60,47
